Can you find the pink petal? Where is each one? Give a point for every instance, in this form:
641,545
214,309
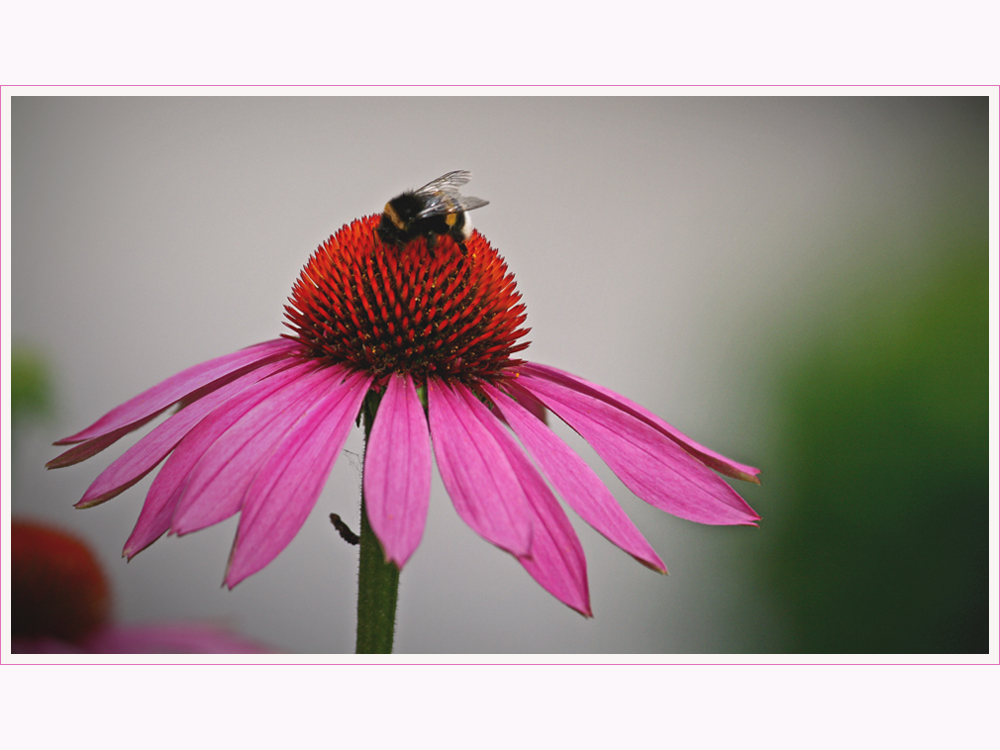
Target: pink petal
480,480
171,638
576,481
290,482
85,450
650,464
151,402
216,486
397,475
556,559
532,404
710,458
143,457
42,645
168,485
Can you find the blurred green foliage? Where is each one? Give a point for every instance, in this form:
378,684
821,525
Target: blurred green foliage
883,545
30,385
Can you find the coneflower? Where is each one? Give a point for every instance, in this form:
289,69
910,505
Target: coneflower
419,338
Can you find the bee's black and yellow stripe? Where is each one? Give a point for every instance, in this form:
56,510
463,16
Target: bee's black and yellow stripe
401,222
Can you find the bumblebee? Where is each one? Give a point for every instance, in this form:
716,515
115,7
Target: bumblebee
434,210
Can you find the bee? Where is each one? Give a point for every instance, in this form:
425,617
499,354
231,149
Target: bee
434,210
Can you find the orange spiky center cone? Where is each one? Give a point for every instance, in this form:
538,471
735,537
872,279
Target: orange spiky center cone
426,309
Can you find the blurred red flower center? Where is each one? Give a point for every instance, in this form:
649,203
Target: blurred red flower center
58,589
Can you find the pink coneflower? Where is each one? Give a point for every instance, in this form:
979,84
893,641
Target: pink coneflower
427,335
61,604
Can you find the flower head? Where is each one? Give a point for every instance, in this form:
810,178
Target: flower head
58,589
426,329
61,603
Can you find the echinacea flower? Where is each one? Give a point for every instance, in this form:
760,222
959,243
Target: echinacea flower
61,604
426,331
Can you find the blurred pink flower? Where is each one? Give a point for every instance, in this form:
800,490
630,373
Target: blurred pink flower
430,332
61,604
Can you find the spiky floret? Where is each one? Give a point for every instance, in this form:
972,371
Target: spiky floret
426,311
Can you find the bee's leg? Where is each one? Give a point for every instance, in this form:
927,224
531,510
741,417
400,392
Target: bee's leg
459,236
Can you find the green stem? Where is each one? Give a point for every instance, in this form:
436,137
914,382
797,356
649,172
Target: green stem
378,580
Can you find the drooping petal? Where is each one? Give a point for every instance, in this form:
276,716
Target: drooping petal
151,402
217,485
579,486
532,404
92,447
397,475
168,486
291,480
710,458
480,480
143,457
556,559
650,464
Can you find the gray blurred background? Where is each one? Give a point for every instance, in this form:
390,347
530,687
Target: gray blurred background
798,283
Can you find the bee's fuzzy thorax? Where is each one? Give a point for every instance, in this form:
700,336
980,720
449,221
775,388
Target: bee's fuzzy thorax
434,210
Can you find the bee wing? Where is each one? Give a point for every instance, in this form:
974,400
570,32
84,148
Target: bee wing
468,202
441,196
452,203
446,183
